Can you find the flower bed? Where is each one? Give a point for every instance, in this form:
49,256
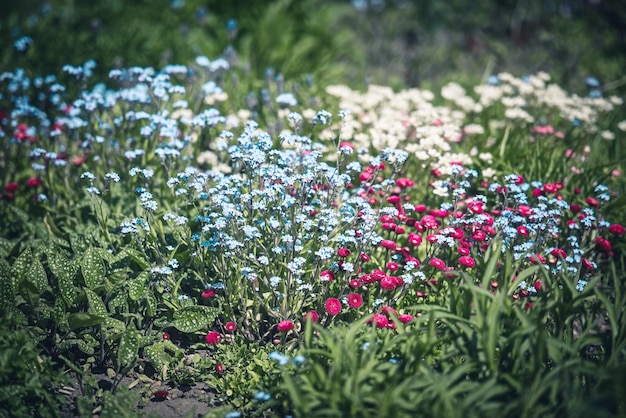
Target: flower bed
171,227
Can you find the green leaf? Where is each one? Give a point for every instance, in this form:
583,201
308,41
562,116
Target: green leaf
60,315
5,247
194,318
151,304
61,268
79,243
137,257
96,306
7,285
36,275
129,346
83,319
21,263
114,326
92,268
137,286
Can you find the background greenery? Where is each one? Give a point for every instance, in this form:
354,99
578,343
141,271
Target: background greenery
394,42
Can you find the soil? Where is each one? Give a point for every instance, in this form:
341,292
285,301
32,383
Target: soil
184,401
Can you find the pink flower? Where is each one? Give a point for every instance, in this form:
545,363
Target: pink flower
388,244
313,315
389,311
230,326
537,259
364,257
355,300
592,202
332,306
285,326
405,318
219,368
327,276
213,338
437,263
388,283
393,266
467,261
208,294
380,320
415,239
559,253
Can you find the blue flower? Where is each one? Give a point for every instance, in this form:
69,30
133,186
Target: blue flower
262,396
281,359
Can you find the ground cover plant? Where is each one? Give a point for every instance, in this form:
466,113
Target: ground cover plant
309,250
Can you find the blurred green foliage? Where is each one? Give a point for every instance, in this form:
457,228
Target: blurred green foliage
393,42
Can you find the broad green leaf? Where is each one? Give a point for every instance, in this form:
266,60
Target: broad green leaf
7,285
194,318
96,306
129,346
61,268
83,319
137,286
60,314
151,304
114,326
21,263
92,268
36,275
5,247
137,257
78,243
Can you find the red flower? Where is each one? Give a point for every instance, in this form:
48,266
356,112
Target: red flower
522,230
587,264
33,182
285,326
160,394
332,306
355,300
219,368
208,294
364,257
343,252
213,338
592,202
437,263
11,187
230,326
355,283
166,336
537,259
617,229
603,245
559,253
313,315
467,261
